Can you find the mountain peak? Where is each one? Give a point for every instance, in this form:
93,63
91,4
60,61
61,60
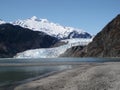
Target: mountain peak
44,20
33,18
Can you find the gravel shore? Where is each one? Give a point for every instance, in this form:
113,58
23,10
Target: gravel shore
88,76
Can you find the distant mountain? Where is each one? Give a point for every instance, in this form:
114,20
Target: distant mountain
15,39
105,44
52,29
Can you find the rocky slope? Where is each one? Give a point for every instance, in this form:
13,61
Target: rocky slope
105,44
73,51
14,39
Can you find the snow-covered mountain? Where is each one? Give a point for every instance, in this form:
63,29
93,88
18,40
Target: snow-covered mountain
52,52
51,28
2,22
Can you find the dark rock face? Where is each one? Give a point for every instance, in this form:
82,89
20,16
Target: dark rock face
59,43
76,34
106,43
74,52
14,39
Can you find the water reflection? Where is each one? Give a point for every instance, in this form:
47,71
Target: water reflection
63,67
9,75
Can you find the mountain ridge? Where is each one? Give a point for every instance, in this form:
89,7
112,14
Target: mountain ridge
52,29
2,22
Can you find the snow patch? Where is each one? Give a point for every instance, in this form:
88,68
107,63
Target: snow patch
2,22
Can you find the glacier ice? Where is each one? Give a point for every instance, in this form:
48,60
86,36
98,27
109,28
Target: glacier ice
52,52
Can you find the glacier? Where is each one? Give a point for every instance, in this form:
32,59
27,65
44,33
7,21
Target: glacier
53,52
71,35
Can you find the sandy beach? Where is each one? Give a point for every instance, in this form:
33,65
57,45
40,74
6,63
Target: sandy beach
88,76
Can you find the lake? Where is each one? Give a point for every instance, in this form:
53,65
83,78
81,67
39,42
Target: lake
16,71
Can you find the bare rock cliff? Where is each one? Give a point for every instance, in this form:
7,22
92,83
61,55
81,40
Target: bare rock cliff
105,44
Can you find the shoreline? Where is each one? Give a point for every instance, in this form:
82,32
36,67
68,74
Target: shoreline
15,84
75,66
45,64
87,76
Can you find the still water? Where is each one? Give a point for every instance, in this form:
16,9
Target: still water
11,74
